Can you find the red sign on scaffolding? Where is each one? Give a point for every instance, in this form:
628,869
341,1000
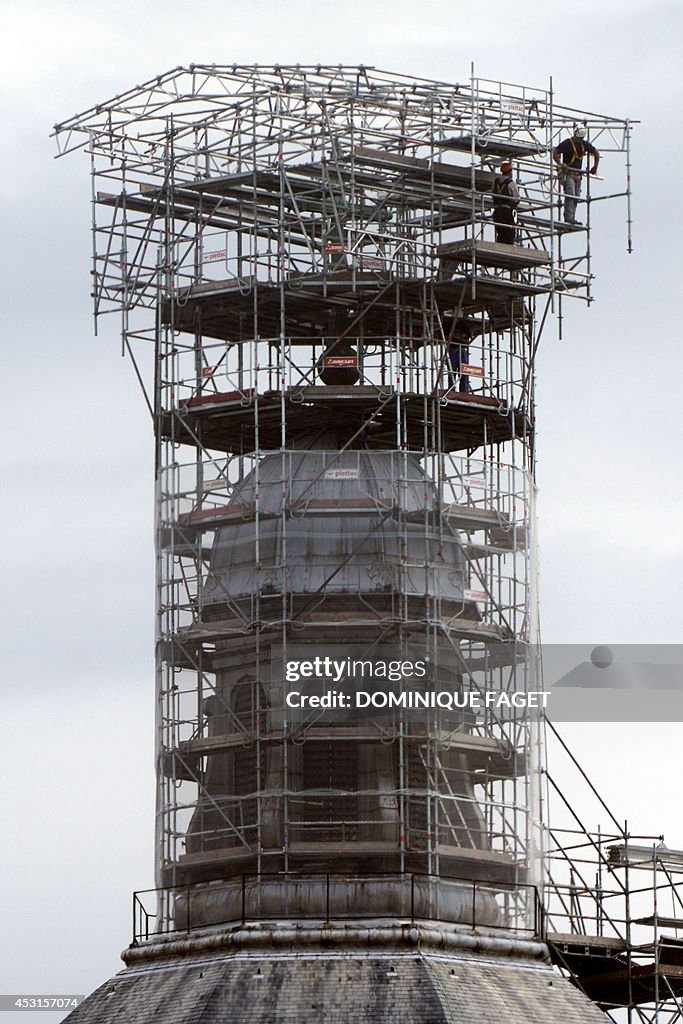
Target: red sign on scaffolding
219,255
340,361
471,371
334,247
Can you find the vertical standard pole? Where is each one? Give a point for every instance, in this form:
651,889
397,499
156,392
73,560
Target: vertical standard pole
474,905
656,930
93,205
629,222
556,251
589,296
244,901
188,889
599,910
327,898
474,118
284,476
627,915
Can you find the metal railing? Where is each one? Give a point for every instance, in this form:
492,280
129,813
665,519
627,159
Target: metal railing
319,897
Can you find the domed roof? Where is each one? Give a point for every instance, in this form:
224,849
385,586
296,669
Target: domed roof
336,523
411,982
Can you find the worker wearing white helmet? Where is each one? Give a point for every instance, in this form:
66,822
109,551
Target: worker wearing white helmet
568,155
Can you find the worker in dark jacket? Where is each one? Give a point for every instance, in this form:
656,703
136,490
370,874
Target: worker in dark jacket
505,203
569,158
459,357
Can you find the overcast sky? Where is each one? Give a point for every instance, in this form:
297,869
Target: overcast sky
77,562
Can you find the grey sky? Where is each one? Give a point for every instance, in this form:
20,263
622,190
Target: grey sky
76,462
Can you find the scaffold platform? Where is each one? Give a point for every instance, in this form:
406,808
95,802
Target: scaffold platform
232,421
486,755
601,967
490,146
223,308
493,254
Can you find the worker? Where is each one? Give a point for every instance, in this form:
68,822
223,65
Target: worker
568,155
459,356
505,203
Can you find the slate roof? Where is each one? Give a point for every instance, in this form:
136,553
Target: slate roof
338,988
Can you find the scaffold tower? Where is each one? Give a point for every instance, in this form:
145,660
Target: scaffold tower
338,358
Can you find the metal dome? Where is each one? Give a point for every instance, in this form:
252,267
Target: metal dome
375,507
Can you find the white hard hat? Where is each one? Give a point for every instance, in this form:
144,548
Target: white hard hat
580,130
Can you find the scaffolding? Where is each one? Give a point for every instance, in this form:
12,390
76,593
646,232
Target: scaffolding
613,903
338,359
